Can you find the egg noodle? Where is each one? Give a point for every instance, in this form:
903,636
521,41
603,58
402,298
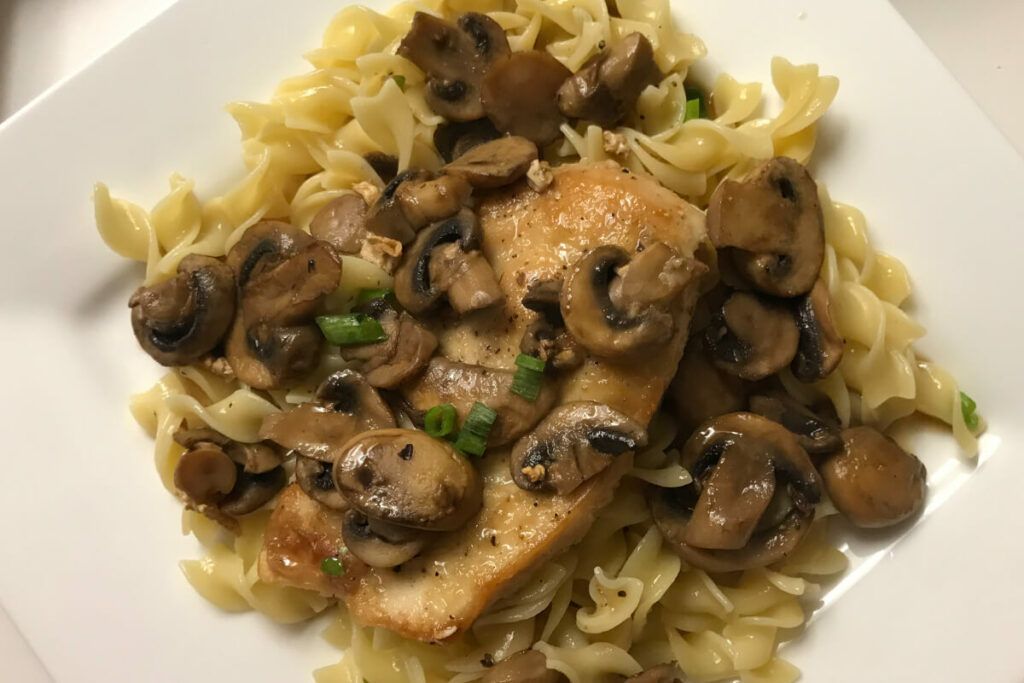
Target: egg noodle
620,600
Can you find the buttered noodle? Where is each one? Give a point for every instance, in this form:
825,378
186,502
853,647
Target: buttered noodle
620,600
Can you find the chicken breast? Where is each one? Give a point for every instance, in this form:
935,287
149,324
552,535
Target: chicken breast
530,236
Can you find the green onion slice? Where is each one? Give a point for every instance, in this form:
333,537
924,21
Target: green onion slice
692,110
440,420
399,80
529,377
969,409
368,295
332,566
351,329
472,438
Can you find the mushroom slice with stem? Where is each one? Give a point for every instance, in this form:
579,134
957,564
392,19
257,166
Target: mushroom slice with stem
527,666
752,336
398,358
385,216
446,259
455,58
821,346
263,247
283,277
467,278
496,163
663,673
700,390
773,222
873,481
752,498
817,435
408,478
572,444
342,223
607,86
178,321
380,544
345,405
519,95
615,307
462,385
414,199
253,457
454,139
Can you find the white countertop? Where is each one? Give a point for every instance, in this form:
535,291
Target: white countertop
43,41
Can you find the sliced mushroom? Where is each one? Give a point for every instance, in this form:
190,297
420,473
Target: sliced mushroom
752,498
462,385
452,140
455,59
572,444
316,478
253,491
379,544
180,320
264,246
401,356
408,478
427,201
774,224
345,406
292,293
519,95
205,474
266,357
873,481
617,315
700,390
664,673
283,277
527,666
816,434
607,86
468,278
255,458
752,336
342,224
384,165
460,270
821,346
495,163
386,216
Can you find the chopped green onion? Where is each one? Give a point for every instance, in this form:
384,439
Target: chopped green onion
332,566
440,420
351,329
472,438
399,80
471,444
970,411
367,295
692,110
529,377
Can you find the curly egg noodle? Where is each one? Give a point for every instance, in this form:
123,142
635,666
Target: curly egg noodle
620,600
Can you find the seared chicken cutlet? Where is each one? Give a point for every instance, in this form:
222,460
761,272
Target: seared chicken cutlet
529,238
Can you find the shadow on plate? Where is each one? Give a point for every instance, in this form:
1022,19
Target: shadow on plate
6,23
118,285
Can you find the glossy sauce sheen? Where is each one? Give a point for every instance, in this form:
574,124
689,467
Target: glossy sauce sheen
528,236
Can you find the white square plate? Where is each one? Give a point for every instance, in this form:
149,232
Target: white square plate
90,544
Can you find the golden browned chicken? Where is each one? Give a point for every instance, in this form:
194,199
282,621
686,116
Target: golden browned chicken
532,238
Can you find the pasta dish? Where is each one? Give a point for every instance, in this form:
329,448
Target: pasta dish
522,355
